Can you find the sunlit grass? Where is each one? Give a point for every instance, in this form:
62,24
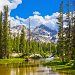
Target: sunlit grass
13,60
61,66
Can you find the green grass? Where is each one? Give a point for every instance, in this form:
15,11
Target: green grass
54,63
61,66
18,62
13,60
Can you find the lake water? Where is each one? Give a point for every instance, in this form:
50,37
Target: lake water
27,68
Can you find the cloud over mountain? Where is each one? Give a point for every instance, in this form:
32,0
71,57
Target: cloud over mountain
47,20
36,20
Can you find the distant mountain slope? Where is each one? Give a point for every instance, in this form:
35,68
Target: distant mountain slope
44,34
53,32
40,33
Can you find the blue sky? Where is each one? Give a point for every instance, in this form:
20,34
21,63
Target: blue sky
45,7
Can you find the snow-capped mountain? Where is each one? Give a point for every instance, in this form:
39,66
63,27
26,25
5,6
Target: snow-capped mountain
17,29
40,33
44,34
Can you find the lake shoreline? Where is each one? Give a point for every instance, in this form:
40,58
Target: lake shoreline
55,64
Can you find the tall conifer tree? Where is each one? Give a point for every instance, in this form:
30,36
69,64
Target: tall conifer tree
22,41
1,52
60,33
5,32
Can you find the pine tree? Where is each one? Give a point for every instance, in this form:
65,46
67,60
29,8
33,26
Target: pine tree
14,43
68,34
29,37
60,33
17,42
1,52
22,41
9,40
26,48
73,33
73,40
5,32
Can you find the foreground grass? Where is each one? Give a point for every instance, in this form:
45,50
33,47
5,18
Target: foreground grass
18,62
59,66
12,60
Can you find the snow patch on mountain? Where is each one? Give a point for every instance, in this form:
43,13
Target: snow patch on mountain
40,33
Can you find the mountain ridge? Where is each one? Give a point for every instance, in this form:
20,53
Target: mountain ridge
40,33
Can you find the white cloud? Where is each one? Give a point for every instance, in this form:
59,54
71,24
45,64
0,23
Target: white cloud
12,4
47,20
36,13
36,20
16,21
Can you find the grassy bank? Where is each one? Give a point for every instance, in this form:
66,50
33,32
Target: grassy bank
61,66
12,60
19,62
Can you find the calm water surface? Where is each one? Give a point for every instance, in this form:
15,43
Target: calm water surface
27,68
